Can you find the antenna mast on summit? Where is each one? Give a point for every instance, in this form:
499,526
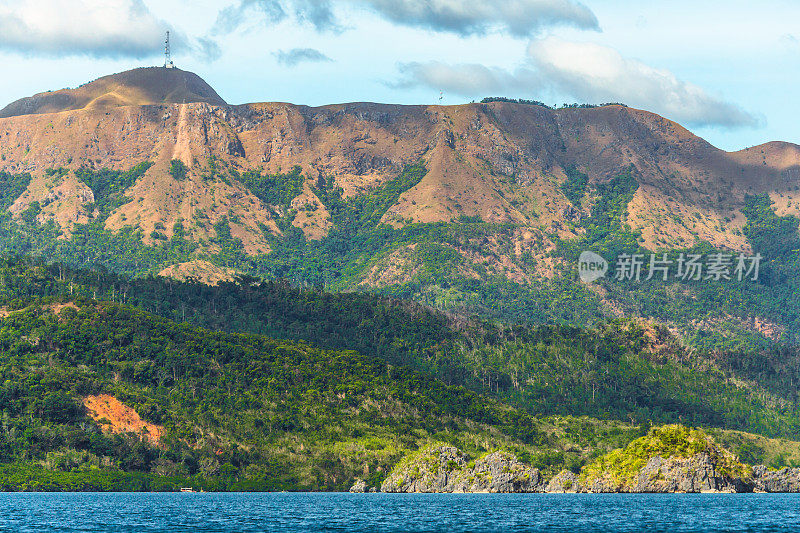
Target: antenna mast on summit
167,58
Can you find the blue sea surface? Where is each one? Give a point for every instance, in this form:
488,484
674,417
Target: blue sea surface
300,512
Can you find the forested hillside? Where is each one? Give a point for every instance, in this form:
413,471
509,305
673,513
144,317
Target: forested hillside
233,411
625,370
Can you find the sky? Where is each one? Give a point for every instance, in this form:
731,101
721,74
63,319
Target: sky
725,70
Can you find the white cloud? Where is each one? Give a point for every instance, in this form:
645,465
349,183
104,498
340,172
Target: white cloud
295,56
466,79
595,73
790,41
463,17
519,17
97,28
587,72
233,16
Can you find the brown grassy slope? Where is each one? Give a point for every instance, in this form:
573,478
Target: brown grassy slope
200,270
783,176
63,199
141,86
502,162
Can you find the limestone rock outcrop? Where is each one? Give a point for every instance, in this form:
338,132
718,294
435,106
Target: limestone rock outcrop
443,468
360,486
783,480
564,482
694,474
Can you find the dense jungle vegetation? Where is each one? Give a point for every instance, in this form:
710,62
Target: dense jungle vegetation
710,315
620,369
239,411
242,411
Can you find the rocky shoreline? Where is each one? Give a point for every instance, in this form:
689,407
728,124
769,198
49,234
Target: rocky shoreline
445,469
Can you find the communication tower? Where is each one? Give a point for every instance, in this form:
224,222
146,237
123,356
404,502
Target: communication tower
167,59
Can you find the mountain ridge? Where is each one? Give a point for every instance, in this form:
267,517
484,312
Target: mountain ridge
438,202
365,144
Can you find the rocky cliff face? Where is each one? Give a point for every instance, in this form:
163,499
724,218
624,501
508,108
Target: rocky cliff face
445,469
670,458
441,468
688,475
499,472
783,480
694,474
564,482
431,470
359,487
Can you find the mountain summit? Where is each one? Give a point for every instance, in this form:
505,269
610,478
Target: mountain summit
141,86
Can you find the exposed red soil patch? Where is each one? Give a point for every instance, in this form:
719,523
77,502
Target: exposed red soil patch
119,418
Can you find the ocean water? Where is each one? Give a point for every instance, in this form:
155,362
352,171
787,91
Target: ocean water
300,512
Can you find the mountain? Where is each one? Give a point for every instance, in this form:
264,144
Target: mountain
502,162
142,86
478,208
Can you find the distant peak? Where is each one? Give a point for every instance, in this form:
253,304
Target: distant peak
141,86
